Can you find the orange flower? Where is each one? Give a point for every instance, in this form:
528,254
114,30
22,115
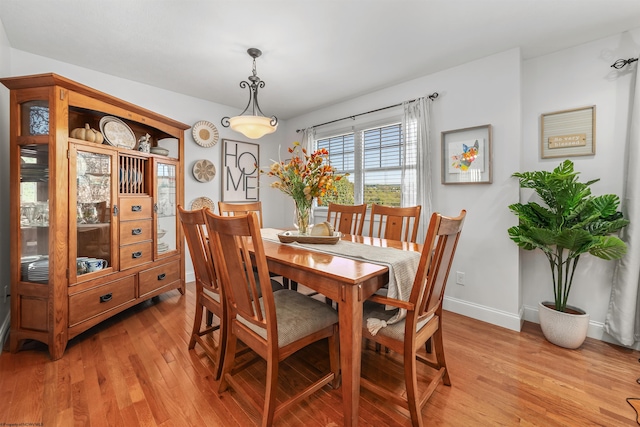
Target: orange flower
305,176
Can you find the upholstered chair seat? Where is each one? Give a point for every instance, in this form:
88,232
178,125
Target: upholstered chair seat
298,316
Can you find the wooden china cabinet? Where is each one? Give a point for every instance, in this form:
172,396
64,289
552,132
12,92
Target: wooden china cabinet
94,228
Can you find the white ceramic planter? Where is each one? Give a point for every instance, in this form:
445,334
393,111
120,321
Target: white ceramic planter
563,329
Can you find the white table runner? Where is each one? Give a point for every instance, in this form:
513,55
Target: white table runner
403,266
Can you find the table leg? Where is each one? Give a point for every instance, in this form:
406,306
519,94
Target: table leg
350,314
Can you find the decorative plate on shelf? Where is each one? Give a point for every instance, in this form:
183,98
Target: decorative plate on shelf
205,133
117,133
202,202
204,170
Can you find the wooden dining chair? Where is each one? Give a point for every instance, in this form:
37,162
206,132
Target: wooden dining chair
347,219
423,319
395,223
208,293
232,209
275,325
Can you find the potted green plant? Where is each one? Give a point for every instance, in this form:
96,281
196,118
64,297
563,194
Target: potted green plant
572,223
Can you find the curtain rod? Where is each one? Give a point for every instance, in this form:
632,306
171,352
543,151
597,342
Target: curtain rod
623,62
432,97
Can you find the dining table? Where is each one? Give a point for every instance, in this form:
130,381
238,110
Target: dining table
345,280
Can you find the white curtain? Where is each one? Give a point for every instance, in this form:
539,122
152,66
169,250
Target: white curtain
308,136
416,178
623,317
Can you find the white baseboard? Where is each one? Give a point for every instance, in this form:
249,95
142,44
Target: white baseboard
512,321
4,329
486,314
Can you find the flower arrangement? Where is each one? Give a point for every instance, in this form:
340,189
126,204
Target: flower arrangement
305,177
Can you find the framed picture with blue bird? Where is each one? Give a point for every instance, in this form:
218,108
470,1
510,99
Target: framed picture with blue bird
467,155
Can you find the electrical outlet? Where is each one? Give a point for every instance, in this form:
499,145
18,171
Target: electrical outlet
460,278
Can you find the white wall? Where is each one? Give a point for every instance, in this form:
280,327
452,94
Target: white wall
481,92
5,66
578,77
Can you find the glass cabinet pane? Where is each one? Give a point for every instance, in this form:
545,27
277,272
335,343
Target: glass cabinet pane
166,202
93,208
34,213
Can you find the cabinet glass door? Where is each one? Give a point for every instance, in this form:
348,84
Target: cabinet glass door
34,213
166,207
93,177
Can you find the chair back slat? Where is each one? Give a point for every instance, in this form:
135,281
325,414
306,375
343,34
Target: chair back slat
347,219
194,226
395,223
231,239
232,209
435,263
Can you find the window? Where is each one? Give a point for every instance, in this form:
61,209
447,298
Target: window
374,158
342,157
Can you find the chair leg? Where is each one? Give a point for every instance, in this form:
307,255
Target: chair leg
334,358
229,360
411,382
209,318
428,346
294,285
270,393
437,336
222,348
197,323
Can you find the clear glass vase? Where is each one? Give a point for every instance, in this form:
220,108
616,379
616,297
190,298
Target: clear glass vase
303,217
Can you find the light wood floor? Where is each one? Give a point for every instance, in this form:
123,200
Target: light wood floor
135,369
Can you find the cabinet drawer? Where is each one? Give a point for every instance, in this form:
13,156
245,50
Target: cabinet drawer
132,208
157,277
136,254
92,302
135,231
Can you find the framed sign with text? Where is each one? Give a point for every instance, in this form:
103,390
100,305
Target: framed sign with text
240,171
568,133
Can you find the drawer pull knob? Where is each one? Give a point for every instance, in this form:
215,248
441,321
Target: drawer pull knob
136,231
136,208
106,297
162,276
136,254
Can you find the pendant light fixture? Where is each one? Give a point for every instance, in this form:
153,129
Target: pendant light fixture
255,124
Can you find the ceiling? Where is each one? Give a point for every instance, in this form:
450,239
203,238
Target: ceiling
315,52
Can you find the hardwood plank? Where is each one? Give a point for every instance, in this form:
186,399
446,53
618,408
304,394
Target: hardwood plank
80,405
135,369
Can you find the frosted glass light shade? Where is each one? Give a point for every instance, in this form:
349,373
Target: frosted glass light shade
253,127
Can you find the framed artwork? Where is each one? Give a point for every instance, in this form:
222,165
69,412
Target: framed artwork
466,156
240,171
568,133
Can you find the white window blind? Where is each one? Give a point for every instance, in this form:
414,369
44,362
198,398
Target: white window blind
373,157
